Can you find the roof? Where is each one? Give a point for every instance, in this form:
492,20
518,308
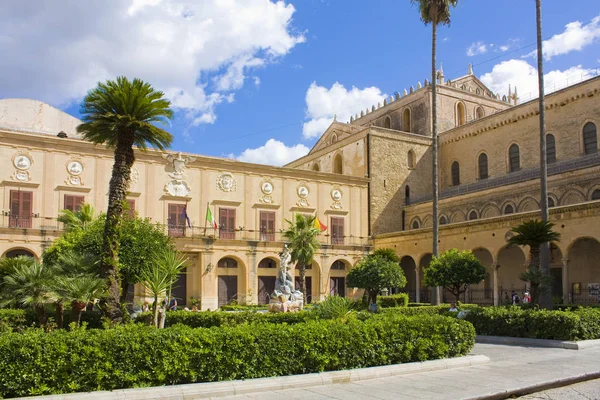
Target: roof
35,116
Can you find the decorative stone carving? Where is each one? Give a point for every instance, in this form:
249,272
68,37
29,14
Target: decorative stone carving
177,164
135,175
177,188
508,235
336,196
266,187
285,297
21,176
22,161
74,168
303,192
226,182
74,180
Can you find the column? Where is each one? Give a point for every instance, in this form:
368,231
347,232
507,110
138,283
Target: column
418,284
251,275
565,281
495,267
209,295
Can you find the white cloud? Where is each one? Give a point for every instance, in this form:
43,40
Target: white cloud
521,74
196,52
273,152
476,49
322,104
575,37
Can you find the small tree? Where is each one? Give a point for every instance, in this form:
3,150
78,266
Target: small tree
302,236
374,273
539,283
455,270
533,233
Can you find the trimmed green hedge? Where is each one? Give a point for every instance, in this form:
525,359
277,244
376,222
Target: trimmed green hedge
514,321
244,307
209,319
17,320
394,300
35,363
427,310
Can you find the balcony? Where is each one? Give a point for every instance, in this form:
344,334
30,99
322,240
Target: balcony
33,221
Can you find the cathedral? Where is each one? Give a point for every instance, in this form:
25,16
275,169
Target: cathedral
368,180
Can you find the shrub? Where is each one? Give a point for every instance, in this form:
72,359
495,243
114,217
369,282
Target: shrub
334,307
35,363
17,320
244,307
394,300
579,324
428,310
209,319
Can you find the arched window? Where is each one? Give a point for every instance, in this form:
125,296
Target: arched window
415,224
550,202
338,164
455,173
590,140
387,123
407,195
316,167
338,265
333,138
227,263
461,118
509,209
411,159
483,166
472,215
479,113
406,120
267,263
550,149
514,158
596,194
443,220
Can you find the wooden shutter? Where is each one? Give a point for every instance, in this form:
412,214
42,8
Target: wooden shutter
267,226
227,223
337,230
176,220
21,204
73,203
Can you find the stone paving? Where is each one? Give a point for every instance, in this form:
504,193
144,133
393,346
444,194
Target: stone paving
589,390
511,368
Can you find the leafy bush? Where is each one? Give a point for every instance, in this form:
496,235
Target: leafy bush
244,307
334,307
17,320
579,324
427,310
209,319
35,363
394,300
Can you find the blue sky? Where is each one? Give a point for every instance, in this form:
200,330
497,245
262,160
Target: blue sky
258,80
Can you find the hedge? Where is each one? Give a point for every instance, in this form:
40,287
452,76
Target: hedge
38,363
18,319
427,310
394,300
209,319
244,307
579,324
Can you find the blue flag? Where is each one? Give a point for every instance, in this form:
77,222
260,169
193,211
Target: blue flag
184,215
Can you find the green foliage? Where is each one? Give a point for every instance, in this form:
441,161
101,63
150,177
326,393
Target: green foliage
455,270
303,242
8,265
533,233
243,307
334,307
140,356
375,272
388,254
78,219
394,300
427,310
579,324
209,319
539,282
435,11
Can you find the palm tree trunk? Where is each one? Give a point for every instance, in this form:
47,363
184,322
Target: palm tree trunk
76,310
155,312
434,154
41,315
119,184
124,290
534,255
302,280
546,295
60,309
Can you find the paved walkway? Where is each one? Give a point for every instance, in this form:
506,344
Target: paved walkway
589,390
511,369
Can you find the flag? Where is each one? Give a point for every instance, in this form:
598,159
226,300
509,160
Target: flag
210,219
319,225
184,215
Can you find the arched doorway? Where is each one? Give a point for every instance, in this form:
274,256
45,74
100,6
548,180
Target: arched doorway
231,280
584,270
312,281
425,291
408,265
13,253
511,262
337,278
483,292
267,274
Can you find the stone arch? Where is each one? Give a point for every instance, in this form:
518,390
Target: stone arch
482,292
584,271
334,138
415,223
511,262
572,196
338,164
409,267
528,204
589,138
316,167
478,112
387,122
19,251
455,173
473,214
337,277
458,216
509,207
411,159
490,211
443,219
460,113
231,279
594,193
266,274
552,200
482,166
406,120
513,158
427,221
314,288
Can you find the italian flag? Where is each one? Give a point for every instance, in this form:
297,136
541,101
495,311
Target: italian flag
210,219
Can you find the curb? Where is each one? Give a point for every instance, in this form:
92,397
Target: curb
538,387
529,342
231,388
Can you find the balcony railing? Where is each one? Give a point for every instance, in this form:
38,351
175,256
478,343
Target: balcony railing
515,177
30,222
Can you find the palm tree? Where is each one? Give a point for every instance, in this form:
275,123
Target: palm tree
121,114
534,233
302,236
8,265
435,12
539,282
78,219
29,285
80,291
162,276
545,249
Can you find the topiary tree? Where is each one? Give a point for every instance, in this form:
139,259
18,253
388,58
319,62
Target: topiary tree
374,273
455,270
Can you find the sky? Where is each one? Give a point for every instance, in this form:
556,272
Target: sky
261,80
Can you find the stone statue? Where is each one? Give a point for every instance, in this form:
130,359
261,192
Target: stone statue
285,298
